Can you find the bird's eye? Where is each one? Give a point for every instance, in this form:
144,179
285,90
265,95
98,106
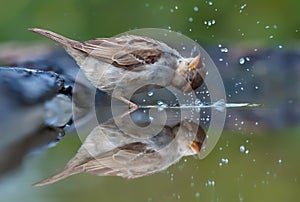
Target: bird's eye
179,61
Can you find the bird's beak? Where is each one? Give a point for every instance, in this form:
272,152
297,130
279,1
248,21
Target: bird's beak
195,63
195,147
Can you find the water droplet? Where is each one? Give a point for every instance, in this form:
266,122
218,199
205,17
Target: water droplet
196,9
197,194
190,19
242,7
210,3
176,7
280,46
209,22
242,148
279,161
161,105
211,183
242,61
224,50
160,102
256,87
150,93
197,101
225,160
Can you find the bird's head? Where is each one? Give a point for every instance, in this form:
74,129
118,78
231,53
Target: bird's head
189,74
190,137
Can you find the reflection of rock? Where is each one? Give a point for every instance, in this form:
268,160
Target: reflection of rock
23,94
12,154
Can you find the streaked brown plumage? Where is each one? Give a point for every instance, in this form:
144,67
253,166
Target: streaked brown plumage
121,65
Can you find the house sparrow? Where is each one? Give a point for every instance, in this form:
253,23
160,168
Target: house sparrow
121,65
108,151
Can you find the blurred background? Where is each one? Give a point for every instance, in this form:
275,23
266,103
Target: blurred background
254,44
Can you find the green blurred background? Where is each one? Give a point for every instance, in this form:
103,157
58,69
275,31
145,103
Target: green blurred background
232,20
269,172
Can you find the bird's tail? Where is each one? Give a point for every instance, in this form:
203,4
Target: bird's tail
61,40
66,172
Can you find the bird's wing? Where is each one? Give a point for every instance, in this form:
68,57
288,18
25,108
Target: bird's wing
127,51
130,161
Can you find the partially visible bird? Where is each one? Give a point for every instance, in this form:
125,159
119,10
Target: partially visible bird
122,65
109,151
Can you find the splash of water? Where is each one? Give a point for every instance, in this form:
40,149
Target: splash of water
219,105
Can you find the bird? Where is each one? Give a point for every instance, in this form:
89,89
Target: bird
126,64
109,151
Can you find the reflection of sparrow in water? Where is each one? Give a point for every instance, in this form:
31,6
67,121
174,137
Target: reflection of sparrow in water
108,151
128,62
